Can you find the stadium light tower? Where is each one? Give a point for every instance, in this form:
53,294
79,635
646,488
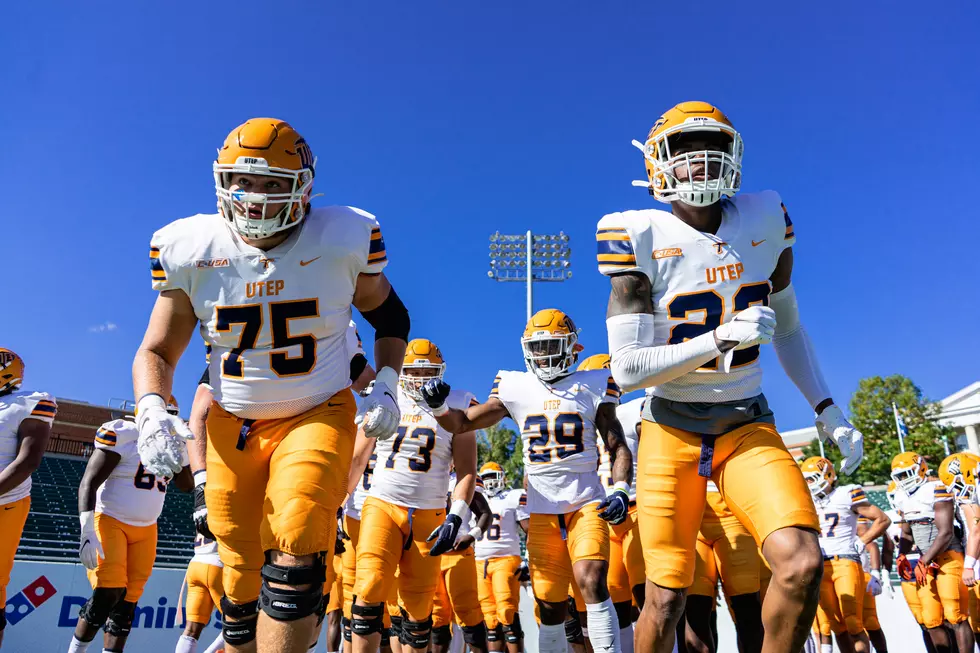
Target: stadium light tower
530,257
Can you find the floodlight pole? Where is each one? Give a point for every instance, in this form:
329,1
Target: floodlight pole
530,277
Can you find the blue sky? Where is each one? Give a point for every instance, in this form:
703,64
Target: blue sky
450,120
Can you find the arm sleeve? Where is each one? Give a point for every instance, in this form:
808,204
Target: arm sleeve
794,349
638,363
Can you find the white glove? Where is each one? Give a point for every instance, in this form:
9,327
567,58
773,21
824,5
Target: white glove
753,326
886,586
874,585
89,548
831,424
162,441
379,414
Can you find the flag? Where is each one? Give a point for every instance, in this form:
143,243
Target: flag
903,430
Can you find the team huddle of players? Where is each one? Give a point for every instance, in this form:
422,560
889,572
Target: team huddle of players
634,504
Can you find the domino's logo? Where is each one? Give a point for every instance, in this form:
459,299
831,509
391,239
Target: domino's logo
28,600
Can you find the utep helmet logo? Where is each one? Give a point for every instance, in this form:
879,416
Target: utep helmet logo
954,466
305,155
6,358
28,600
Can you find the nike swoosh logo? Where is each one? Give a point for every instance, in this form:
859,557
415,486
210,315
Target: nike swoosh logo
757,243
305,263
10,507
388,394
333,405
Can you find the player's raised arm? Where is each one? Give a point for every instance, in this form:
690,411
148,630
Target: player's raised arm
454,420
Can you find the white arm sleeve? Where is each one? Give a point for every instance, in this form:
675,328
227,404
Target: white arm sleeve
638,363
794,349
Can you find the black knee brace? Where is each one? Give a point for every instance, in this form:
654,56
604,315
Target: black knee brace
120,619
442,635
513,631
495,634
476,636
415,633
386,639
366,620
345,629
290,604
322,612
396,627
573,629
97,609
241,629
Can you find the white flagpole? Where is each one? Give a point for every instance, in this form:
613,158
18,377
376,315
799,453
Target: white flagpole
822,454
898,428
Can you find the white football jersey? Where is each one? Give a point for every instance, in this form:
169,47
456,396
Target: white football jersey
628,415
503,536
277,321
206,551
838,521
557,423
700,281
356,500
919,510
130,494
14,409
413,465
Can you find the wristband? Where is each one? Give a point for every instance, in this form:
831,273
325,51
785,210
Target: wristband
476,533
969,561
200,477
87,519
622,485
441,410
876,573
459,508
150,400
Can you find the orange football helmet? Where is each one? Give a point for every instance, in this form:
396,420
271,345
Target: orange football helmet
11,371
268,147
959,474
909,471
550,344
662,162
820,475
493,477
891,493
594,362
426,360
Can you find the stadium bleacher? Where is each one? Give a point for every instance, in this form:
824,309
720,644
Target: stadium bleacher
52,530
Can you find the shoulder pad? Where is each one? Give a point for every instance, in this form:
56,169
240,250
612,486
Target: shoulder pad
358,230
624,243
42,405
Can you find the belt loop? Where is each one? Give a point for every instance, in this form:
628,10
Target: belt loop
707,455
243,434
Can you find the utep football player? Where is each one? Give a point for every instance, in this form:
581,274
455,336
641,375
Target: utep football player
958,473
695,293
498,561
560,413
875,585
25,426
204,592
843,587
457,599
271,283
404,522
119,502
626,574
928,511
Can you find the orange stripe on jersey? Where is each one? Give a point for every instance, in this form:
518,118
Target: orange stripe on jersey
44,409
616,258
495,390
612,235
106,437
612,389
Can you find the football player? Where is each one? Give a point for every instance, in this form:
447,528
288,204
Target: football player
498,561
927,508
560,412
404,522
203,580
457,597
843,587
270,281
725,551
25,426
626,573
958,473
695,293
875,585
119,502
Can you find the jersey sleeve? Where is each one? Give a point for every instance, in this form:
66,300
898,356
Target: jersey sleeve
44,407
479,486
612,392
371,252
858,496
624,243
354,343
107,437
167,271
521,511
941,494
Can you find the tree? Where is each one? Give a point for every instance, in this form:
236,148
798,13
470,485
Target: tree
502,445
871,413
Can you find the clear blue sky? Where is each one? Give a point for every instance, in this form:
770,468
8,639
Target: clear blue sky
449,120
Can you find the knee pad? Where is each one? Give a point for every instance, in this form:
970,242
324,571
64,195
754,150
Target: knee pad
345,629
292,604
573,629
495,634
513,631
396,627
476,636
366,620
322,612
241,630
120,619
442,635
97,609
415,633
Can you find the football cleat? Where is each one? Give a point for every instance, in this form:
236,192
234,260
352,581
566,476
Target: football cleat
11,371
550,344
663,161
909,471
820,476
594,362
425,361
271,148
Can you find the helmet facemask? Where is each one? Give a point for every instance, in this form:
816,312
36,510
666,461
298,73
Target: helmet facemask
908,478
549,356
493,481
424,371
818,483
237,206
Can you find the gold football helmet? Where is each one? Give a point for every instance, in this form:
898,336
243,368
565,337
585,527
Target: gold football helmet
891,493
959,474
550,344
423,362
493,477
820,475
11,371
594,362
909,471
722,167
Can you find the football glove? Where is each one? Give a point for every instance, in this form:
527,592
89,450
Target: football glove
379,414
832,424
859,546
886,586
523,572
753,326
200,506
447,534
89,548
434,394
904,568
874,583
162,442
616,506
923,571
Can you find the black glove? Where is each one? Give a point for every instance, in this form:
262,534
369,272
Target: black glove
445,535
523,572
201,512
435,393
338,546
615,507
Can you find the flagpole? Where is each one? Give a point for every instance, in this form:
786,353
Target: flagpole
946,445
822,454
898,428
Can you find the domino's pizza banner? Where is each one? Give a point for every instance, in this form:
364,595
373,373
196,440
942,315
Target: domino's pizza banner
43,600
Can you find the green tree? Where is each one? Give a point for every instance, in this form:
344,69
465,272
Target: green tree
502,445
871,413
